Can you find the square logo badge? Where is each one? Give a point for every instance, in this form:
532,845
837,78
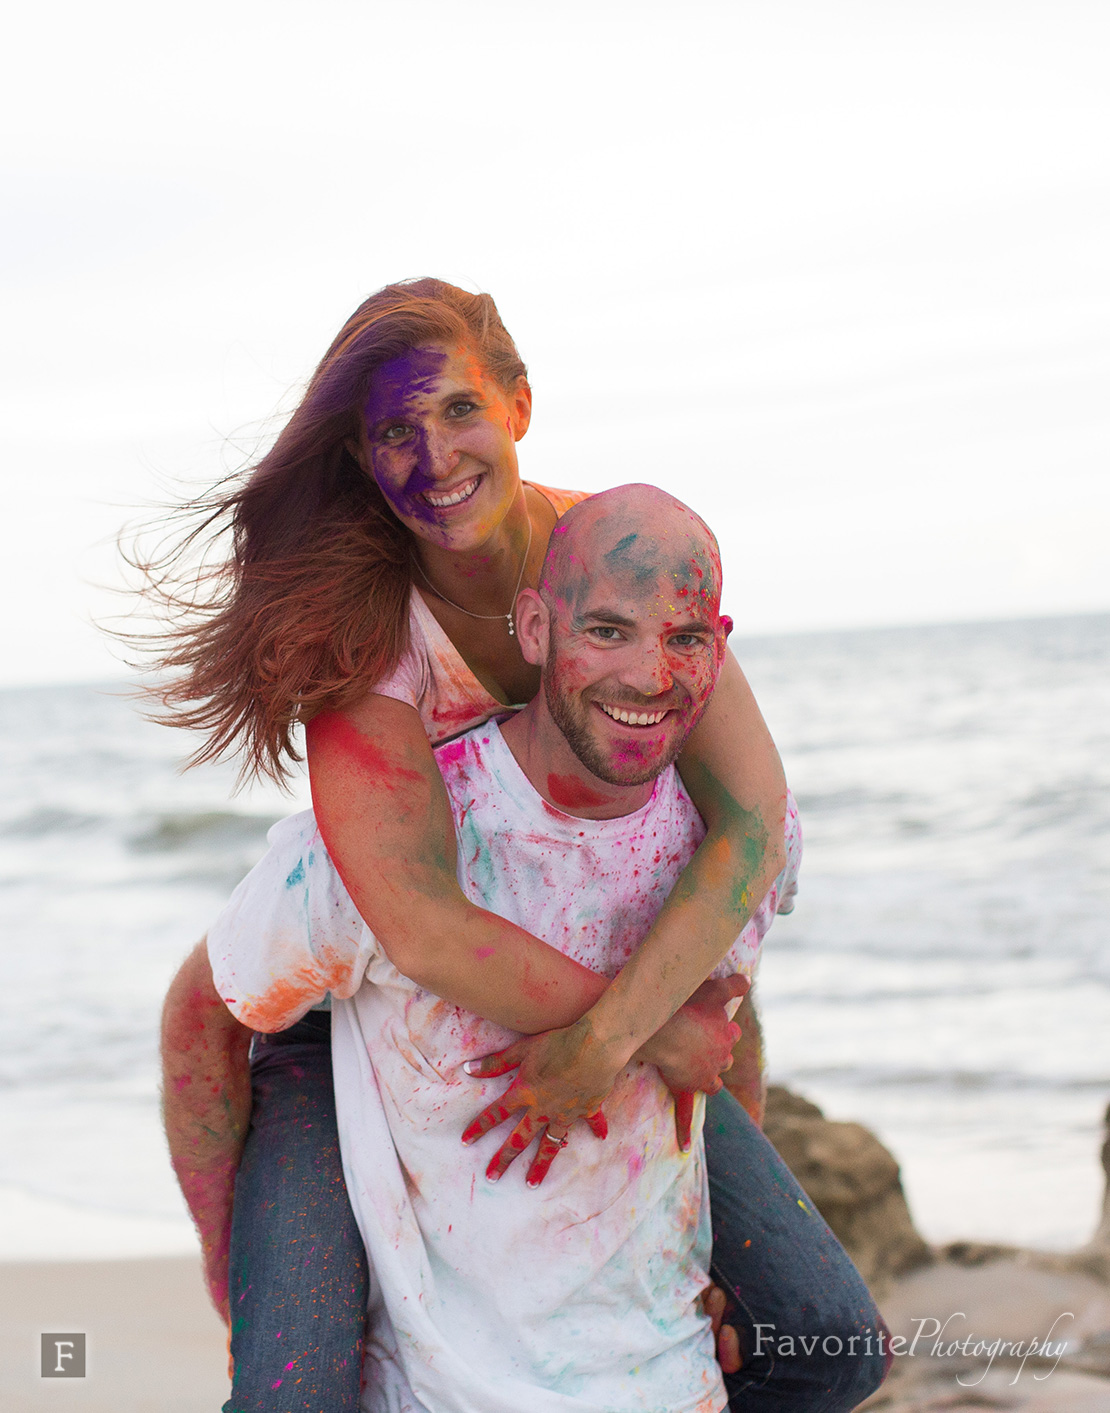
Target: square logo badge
63,1356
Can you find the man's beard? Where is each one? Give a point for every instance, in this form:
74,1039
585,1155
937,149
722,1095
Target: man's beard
582,742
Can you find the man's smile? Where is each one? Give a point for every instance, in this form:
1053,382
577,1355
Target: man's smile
629,717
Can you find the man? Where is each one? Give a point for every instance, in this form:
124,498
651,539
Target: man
571,823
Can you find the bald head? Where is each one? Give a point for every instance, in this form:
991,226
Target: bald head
638,536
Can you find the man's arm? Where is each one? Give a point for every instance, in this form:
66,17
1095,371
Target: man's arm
206,1107
745,1080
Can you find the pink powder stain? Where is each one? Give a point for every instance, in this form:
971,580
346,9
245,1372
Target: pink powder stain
483,952
452,753
332,732
450,717
572,793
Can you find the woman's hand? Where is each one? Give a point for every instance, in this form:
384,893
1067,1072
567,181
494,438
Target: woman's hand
562,1076
715,1304
695,1047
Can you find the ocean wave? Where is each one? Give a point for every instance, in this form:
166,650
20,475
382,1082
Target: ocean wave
950,1079
37,824
205,829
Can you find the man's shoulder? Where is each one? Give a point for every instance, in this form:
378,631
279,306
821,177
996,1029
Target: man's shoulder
474,756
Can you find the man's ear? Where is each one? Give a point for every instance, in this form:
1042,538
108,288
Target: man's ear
533,626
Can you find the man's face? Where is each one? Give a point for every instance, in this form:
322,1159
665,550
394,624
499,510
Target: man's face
633,657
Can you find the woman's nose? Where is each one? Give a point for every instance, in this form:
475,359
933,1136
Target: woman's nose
438,455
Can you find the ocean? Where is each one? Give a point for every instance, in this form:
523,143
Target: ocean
944,979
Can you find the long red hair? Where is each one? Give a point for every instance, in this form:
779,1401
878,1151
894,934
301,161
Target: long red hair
285,589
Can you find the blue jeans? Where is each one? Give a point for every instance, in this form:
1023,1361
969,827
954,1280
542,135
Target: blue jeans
791,1284
298,1277
297,1273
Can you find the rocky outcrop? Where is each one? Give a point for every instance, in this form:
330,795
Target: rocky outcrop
854,1183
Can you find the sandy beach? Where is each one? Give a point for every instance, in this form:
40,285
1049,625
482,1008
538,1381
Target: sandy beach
1016,1300
154,1344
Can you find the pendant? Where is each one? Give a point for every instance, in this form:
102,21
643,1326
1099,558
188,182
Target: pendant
509,621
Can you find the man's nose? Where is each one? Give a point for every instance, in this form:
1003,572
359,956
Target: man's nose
650,674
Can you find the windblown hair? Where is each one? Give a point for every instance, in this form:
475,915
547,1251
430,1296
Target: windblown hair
284,591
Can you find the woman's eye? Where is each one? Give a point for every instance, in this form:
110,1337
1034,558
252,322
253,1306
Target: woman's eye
461,409
397,433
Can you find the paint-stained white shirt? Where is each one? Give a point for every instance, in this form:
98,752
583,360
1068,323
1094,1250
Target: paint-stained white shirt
494,1298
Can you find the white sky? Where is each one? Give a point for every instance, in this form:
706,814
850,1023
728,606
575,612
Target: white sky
835,274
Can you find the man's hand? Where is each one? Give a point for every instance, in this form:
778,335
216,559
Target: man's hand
562,1076
695,1047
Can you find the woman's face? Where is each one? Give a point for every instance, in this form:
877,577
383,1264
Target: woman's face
439,437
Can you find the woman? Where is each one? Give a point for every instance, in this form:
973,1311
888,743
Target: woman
377,552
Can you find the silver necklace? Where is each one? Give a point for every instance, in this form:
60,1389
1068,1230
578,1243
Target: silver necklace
488,617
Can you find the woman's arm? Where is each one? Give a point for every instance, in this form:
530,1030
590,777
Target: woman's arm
383,812
732,771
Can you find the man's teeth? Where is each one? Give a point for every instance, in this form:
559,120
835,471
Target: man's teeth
633,718
463,493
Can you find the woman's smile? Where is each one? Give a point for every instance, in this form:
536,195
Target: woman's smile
441,499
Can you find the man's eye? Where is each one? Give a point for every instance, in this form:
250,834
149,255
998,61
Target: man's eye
686,640
607,633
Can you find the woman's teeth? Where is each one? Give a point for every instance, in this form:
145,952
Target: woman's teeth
633,718
452,498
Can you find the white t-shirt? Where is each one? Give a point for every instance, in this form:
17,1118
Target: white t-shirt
493,1298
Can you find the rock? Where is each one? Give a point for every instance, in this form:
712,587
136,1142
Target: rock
854,1183
975,1253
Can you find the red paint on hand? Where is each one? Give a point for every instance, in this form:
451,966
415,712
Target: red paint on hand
683,1118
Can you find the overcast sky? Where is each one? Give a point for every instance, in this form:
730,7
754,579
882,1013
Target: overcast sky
835,274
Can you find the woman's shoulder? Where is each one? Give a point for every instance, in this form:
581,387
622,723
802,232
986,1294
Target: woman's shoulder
432,677
560,501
